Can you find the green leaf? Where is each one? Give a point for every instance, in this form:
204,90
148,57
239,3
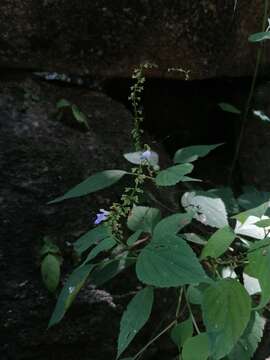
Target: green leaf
172,175
229,108
143,218
69,292
105,272
134,237
98,181
49,247
104,245
172,224
136,158
194,238
248,343
208,210
90,238
62,103
196,348
50,270
259,267
218,243
259,211
134,318
263,223
80,116
181,332
169,262
192,153
260,36
226,313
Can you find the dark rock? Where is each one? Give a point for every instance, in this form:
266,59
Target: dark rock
107,39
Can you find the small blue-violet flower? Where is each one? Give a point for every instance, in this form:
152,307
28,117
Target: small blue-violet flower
101,216
146,155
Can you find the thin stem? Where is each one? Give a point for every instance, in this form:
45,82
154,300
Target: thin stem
251,92
191,313
177,313
154,339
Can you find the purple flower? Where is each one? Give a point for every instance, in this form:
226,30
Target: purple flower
101,216
146,155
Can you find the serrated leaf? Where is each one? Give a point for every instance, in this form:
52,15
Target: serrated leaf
260,36
50,270
182,332
229,108
196,348
143,218
218,243
136,158
104,245
226,312
79,116
134,237
96,182
172,175
134,318
90,238
208,210
169,262
249,341
172,224
259,267
69,292
192,153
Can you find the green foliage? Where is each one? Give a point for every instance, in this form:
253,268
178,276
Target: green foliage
196,248
229,108
78,115
260,36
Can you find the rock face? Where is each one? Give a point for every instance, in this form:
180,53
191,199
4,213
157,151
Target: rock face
40,159
107,39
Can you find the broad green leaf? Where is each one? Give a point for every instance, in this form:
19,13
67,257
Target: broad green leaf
169,262
90,238
62,103
80,117
192,153
249,341
50,270
172,224
143,218
134,237
104,245
208,210
218,243
259,267
181,332
69,292
226,312
259,211
136,158
134,318
229,108
196,348
172,175
252,198
260,36
98,181
263,223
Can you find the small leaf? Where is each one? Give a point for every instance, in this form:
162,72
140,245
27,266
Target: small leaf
90,238
229,108
134,237
136,158
218,243
172,175
69,292
49,247
172,224
134,318
62,103
143,218
192,153
98,181
169,262
226,313
194,238
181,332
263,223
208,210
260,36
80,116
259,211
196,348
50,270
